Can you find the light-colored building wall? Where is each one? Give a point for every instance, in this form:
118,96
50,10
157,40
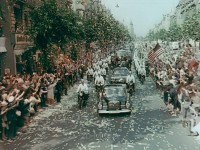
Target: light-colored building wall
184,9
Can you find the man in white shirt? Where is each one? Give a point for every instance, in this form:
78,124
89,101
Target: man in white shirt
105,65
83,88
103,73
89,73
100,62
99,79
130,78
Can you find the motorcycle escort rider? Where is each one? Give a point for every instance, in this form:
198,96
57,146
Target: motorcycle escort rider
83,88
103,73
99,82
130,78
89,73
142,73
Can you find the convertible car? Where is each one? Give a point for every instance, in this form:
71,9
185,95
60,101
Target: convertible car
119,75
114,99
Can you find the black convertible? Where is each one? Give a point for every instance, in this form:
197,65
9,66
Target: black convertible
114,99
119,75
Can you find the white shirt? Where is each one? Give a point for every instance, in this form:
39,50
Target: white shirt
130,78
90,71
109,59
97,67
82,87
99,79
142,71
95,74
182,73
100,62
105,65
103,71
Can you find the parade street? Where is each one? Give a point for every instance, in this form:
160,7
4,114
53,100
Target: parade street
64,126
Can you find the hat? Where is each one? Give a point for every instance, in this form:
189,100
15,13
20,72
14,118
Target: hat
4,96
2,87
11,99
4,103
173,77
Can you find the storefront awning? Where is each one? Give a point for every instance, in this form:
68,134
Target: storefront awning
19,52
2,45
3,49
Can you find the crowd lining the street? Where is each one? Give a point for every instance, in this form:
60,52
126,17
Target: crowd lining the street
23,95
179,82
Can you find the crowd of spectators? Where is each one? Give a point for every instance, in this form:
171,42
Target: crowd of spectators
22,96
179,82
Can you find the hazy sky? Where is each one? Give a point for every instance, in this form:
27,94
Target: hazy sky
144,13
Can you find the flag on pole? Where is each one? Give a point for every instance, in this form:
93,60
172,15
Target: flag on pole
155,53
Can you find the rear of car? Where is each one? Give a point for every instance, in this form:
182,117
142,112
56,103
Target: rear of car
119,75
115,100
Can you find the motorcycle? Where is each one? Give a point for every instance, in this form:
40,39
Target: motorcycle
142,79
90,77
130,88
147,71
99,89
82,99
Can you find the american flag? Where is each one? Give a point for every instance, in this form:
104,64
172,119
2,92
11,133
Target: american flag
155,53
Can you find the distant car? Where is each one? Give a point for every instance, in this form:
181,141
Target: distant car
123,53
119,75
175,45
114,100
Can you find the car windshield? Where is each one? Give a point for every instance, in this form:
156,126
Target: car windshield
121,72
115,91
123,53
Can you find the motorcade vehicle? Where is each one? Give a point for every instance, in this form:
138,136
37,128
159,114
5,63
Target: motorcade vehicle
82,99
114,100
119,75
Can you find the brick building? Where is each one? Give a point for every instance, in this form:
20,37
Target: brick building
15,20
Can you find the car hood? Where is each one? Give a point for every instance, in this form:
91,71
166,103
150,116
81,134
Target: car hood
118,77
116,98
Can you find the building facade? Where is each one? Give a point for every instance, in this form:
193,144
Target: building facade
184,9
14,22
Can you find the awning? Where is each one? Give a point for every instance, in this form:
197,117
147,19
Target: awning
19,52
2,44
3,49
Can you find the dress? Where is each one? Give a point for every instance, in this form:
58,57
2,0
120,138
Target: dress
50,89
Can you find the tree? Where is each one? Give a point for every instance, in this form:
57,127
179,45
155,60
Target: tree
53,24
191,27
175,33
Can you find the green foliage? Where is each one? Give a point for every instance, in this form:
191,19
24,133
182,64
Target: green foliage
191,27
175,33
53,24
104,27
73,53
189,30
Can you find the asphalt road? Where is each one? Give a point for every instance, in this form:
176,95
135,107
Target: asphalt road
65,127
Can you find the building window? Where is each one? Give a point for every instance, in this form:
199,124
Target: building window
1,13
18,18
26,22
